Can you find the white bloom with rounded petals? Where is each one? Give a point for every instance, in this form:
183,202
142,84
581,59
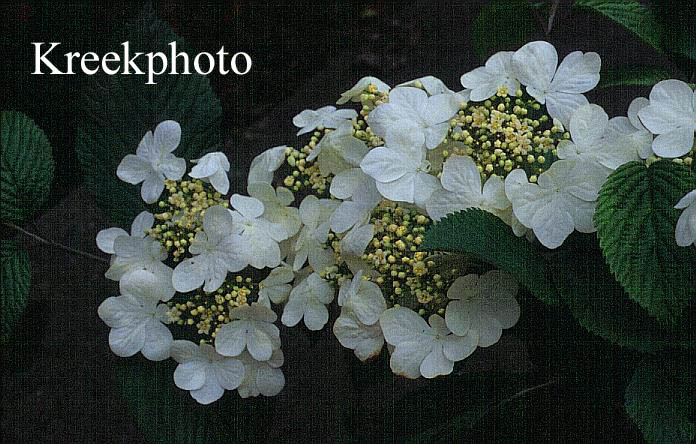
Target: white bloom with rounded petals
217,249
400,168
213,168
360,196
310,245
137,319
671,115
276,206
205,373
685,233
154,161
357,90
434,86
461,189
535,65
427,115
422,349
260,235
338,150
588,130
252,329
262,377
629,132
276,287
265,164
562,200
483,306
485,81
141,224
308,301
326,116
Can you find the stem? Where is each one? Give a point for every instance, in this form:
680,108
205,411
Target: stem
552,15
55,244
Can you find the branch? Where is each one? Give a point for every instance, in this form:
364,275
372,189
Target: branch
55,244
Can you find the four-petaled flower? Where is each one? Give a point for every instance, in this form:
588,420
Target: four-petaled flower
213,168
308,300
485,81
252,329
326,116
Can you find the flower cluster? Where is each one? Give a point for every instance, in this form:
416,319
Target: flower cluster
342,217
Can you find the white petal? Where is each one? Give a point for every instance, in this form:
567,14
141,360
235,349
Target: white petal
184,351
269,381
263,165
316,315
157,342
636,105
220,182
259,345
142,222
168,135
190,375
384,164
188,275
368,304
673,94
577,73
106,238
587,124
247,206
144,285
401,324
561,105
229,373
440,108
151,189
172,167
407,358
232,338
534,64
211,390
685,232
127,341
456,348
365,341
458,317
675,143
460,175
435,363
402,189
133,169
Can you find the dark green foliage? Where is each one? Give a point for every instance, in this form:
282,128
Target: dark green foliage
503,25
15,277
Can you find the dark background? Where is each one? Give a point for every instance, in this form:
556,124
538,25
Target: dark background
58,384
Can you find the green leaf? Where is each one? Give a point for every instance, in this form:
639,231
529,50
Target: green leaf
26,167
168,415
502,25
485,237
631,14
635,220
678,24
634,76
118,110
15,277
601,305
661,399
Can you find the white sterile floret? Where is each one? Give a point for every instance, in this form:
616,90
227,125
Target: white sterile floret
359,88
400,167
671,115
422,349
360,188
629,132
217,249
588,130
252,329
485,81
137,319
260,235
427,115
357,328
265,164
308,300
310,245
461,182
434,86
141,224
482,306
262,377
154,161
326,116
561,89
685,233
338,150
276,206
213,168
276,287
205,373
563,199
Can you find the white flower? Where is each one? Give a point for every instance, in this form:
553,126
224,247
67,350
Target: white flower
136,319
262,378
326,116
561,89
265,164
433,86
276,206
310,245
588,129
483,306
629,132
213,168
251,328
672,116
422,349
360,188
154,161
461,182
685,233
205,373
308,300
563,199
217,249
400,168
357,328
141,224
260,235
428,115
338,150
485,81
357,90
276,287
353,245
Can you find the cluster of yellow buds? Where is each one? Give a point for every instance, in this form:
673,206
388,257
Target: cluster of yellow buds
210,311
